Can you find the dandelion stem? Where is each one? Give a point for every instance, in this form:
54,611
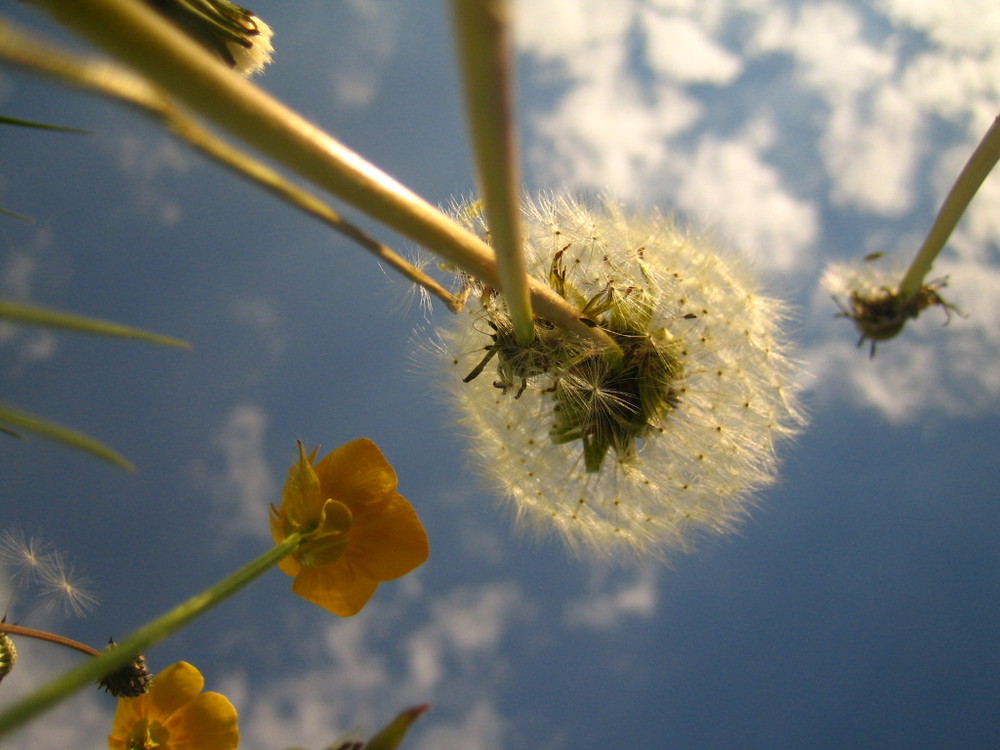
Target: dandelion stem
145,41
44,635
123,86
481,31
982,161
142,639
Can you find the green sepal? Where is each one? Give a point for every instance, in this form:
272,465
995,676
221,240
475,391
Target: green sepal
392,733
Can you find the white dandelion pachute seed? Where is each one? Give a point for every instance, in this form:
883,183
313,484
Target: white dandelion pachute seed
637,457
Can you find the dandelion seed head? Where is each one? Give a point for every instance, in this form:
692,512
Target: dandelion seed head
640,458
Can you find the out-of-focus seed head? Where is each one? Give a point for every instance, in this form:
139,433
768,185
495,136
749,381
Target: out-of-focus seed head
870,297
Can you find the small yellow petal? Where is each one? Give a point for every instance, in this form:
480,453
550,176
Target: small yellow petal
337,588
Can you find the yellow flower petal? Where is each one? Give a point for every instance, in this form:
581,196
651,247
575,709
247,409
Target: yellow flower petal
209,722
171,689
388,541
356,473
175,715
338,588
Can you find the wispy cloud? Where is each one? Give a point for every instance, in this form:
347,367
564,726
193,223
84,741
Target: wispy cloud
22,271
243,485
145,158
614,599
358,677
813,122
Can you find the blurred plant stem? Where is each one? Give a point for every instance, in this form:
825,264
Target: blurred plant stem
142,639
145,41
979,165
482,38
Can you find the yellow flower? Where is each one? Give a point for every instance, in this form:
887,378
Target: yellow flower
358,530
175,715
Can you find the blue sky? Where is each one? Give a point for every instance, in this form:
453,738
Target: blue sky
858,605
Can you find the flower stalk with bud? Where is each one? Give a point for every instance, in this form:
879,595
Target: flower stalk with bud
878,305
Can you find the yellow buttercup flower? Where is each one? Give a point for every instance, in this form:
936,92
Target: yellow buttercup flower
175,715
358,531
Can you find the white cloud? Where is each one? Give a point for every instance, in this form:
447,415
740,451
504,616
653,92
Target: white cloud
145,158
481,729
579,35
827,43
954,86
356,69
730,186
870,148
679,48
357,678
602,609
244,485
466,623
971,26
20,274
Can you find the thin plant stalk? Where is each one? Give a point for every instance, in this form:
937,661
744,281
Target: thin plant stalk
982,161
482,37
121,85
134,33
44,635
142,639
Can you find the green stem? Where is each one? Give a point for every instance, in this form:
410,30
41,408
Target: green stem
136,34
142,639
982,161
481,33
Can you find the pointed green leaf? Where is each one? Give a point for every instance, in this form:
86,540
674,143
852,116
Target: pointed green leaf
60,434
43,316
16,215
40,125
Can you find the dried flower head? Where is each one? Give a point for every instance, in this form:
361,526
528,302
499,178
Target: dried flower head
635,454
129,681
232,33
870,296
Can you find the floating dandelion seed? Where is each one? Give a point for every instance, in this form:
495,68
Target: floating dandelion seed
36,566
26,558
637,455
62,586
